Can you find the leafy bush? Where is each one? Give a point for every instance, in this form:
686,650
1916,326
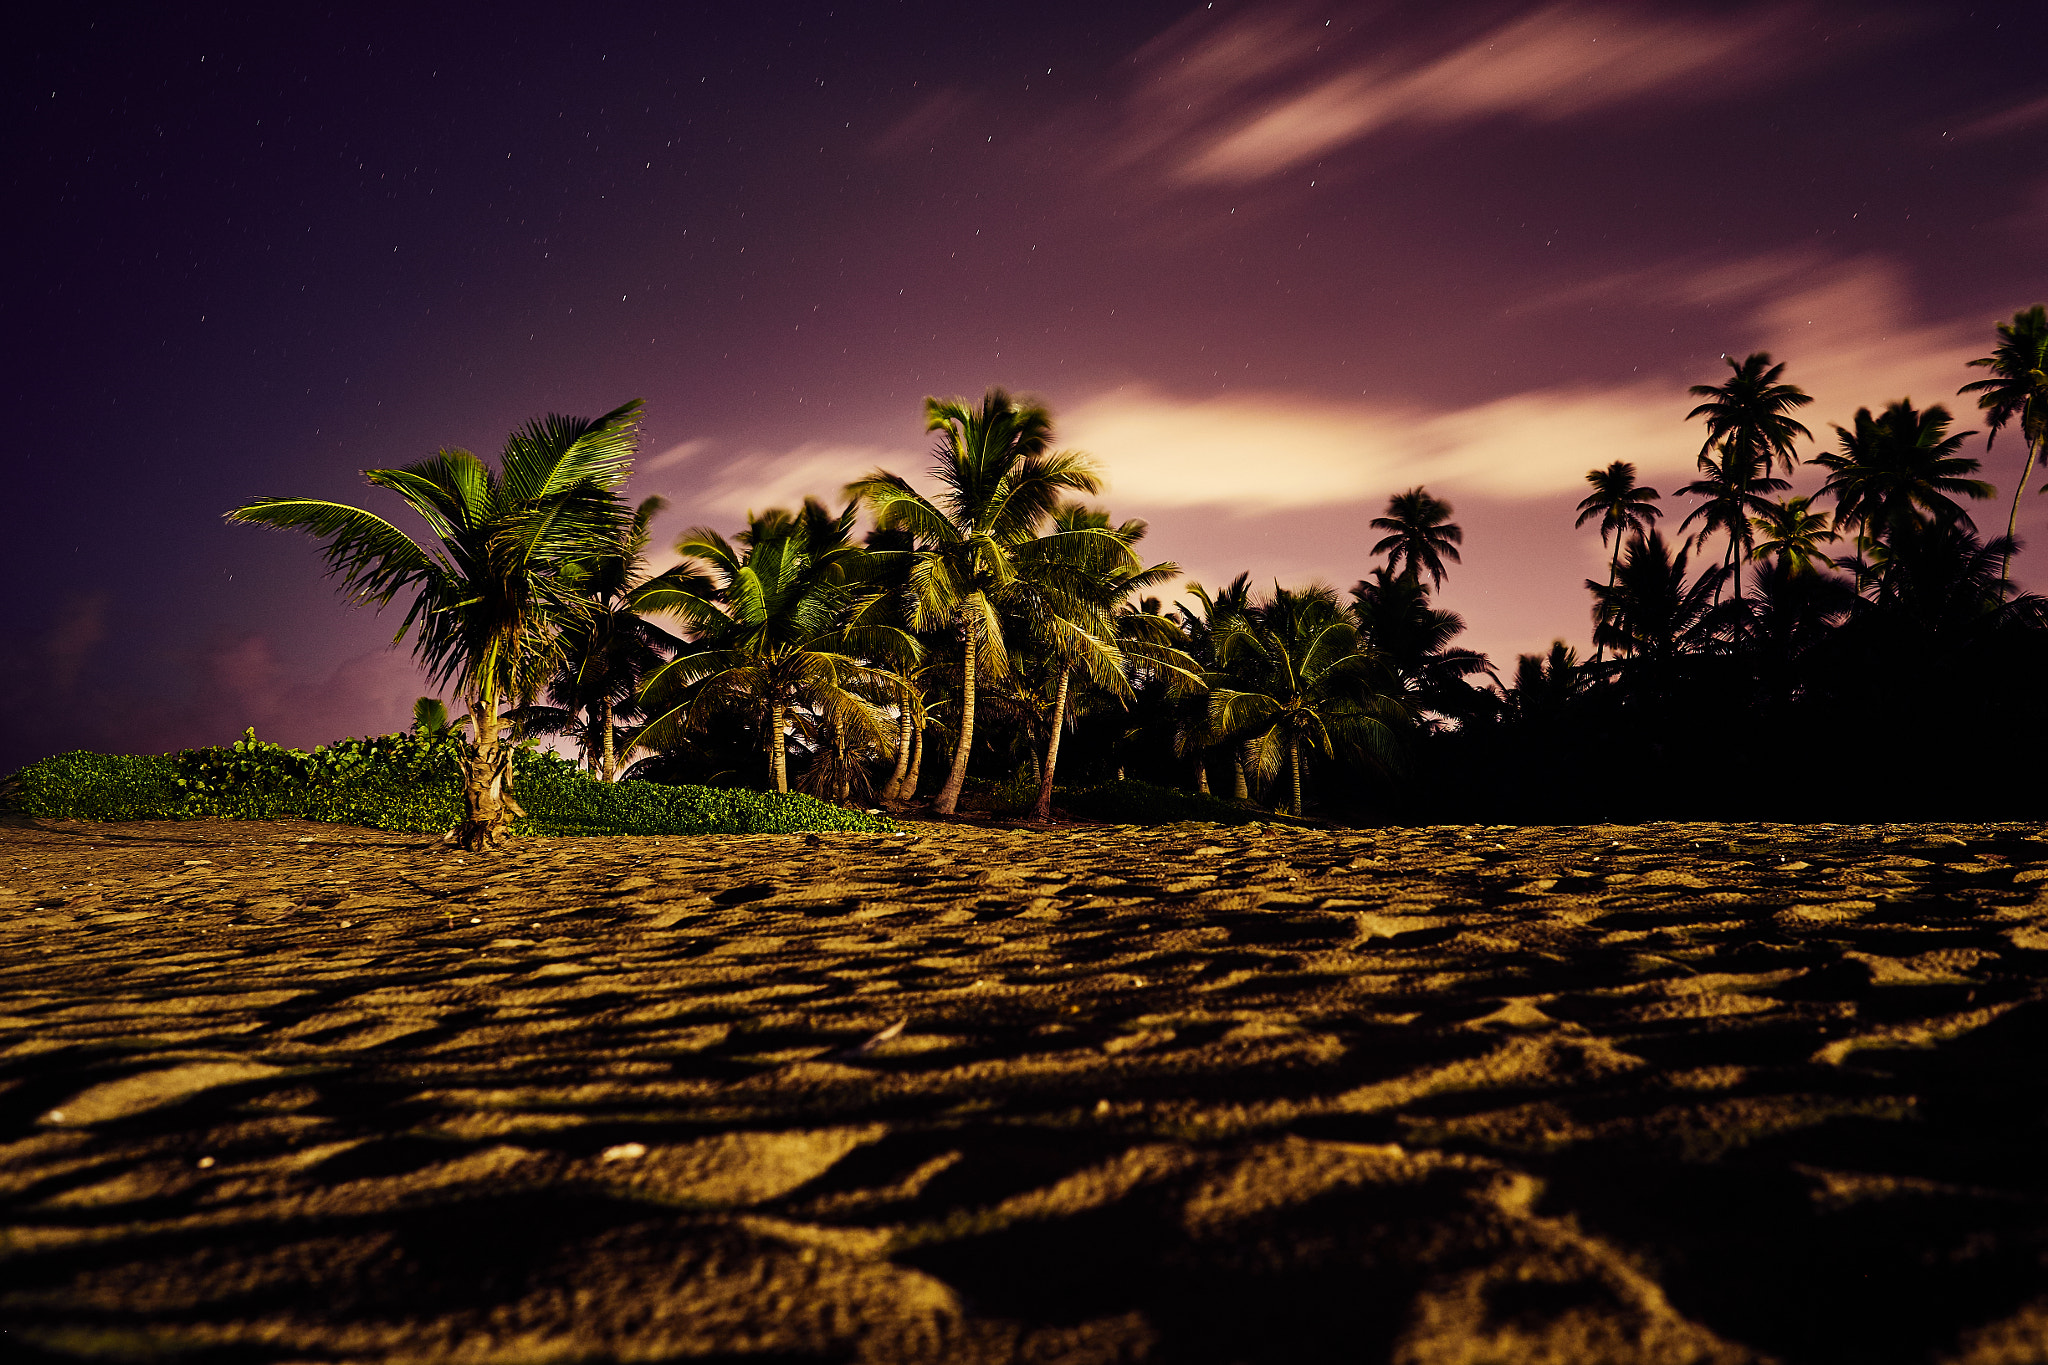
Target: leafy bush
405,782
1131,802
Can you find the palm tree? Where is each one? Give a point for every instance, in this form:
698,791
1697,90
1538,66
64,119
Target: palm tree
1649,612
608,655
496,584
2020,390
784,625
1000,483
1546,685
1420,534
1734,490
1195,732
1074,591
1793,534
1893,470
1623,507
1300,684
1412,640
1751,411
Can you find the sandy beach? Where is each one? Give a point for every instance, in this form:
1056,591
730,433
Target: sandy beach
1442,1096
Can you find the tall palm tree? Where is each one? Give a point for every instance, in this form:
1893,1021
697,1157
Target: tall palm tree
1894,470
1734,489
1793,533
1411,638
1420,535
496,583
2019,389
1299,685
1201,626
1751,411
1624,508
782,626
999,482
1074,592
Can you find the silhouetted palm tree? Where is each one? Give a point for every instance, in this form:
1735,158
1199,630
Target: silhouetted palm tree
1420,535
2018,391
1000,483
1650,613
1546,684
1734,490
1751,412
1893,470
497,584
1623,508
1411,638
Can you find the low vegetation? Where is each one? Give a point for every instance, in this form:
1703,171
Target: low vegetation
405,782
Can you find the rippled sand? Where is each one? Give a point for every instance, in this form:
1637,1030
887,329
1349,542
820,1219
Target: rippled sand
1441,1096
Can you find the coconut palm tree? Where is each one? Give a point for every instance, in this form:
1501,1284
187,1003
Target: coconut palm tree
1734,489
495,584
1298,685
786,624
1411,638
1793,533
999,482
1622,505
1420,535
607,656
1650,613
2019,389
1195,733
1751,411
1073,592
1894,470
1624,509
1546,684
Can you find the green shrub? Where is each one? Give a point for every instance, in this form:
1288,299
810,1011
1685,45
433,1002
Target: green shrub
1131,802
404,782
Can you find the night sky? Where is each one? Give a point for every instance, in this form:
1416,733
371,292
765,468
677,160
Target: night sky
1268,263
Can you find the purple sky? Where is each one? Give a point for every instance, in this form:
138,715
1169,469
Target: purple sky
1268,263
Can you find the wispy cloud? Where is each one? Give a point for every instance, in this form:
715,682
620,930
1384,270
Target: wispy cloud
1240,100
2028,113
1848,335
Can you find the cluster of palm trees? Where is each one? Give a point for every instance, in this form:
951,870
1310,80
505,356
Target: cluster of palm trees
997,614
1845,611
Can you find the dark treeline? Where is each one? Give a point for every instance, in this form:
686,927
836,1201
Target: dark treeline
1857,654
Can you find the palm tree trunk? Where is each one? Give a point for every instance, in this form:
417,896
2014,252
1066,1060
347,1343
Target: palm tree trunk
1240,787
610,770
949,795
487,804
1613,568
1201,772
778,757
892,790
1042,809
2012,522
916,773
1294,772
